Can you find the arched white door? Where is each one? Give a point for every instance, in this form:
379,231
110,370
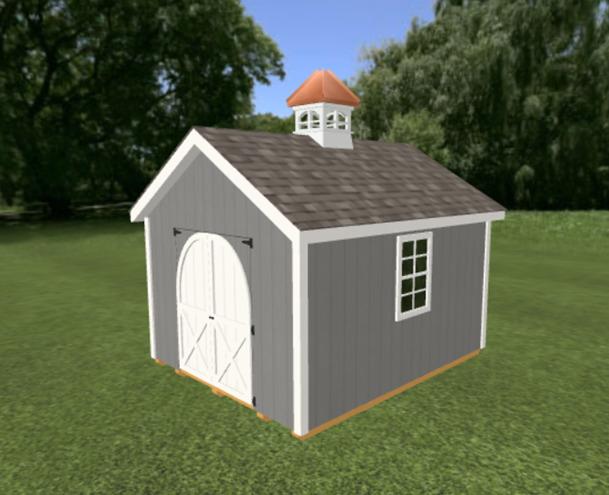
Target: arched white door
214,316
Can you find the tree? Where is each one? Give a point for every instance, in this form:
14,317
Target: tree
421,129
519,89
96,94
266,122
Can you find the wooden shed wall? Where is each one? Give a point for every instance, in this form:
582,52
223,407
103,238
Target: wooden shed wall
204,200
357,351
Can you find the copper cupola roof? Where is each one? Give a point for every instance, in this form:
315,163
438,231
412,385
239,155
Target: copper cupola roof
323,86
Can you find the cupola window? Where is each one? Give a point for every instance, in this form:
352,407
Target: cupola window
309,119
336,120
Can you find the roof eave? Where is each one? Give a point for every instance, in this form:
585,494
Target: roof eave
315,236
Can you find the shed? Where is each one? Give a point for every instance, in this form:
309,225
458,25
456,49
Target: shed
310,276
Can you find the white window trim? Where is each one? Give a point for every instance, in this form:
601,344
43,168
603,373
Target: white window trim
303,124
333,121
399,316
311,121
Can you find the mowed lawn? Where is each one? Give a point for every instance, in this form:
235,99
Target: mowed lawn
83,408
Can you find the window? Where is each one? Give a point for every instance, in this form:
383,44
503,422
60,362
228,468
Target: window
413,287
336,120
303,120
309,119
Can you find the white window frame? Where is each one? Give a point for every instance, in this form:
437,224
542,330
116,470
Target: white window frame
337,120
399,315
311,120
303,124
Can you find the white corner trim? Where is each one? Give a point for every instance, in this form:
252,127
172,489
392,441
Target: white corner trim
368,230
300,334
183,157
487,253
149,283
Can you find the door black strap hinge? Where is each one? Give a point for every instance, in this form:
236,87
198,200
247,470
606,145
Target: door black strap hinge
176,232
254,401
253,330
249,242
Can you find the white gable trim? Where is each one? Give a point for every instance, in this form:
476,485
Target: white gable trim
181,159
374,229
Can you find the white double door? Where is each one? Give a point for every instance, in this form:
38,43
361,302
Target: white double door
214,315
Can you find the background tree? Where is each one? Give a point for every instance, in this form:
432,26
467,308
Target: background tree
266,122
421,129
95,95
519,89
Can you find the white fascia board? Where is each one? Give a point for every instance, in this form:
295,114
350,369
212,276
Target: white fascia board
182,158
487,253
150,285
376,229
300,335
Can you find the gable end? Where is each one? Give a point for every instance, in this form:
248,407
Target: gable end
182,158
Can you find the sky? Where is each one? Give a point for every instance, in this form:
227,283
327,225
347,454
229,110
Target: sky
330,34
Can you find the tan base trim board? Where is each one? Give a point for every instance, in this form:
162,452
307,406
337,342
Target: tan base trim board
215,390
388,395
263,417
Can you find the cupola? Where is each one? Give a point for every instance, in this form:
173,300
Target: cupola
322,109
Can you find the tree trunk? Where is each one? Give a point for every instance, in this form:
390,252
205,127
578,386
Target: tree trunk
59,208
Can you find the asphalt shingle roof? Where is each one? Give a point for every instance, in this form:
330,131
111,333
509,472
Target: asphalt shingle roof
375,182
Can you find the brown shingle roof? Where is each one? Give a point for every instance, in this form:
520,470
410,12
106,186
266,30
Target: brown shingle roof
375,182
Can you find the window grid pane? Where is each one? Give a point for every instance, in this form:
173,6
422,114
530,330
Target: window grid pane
414,273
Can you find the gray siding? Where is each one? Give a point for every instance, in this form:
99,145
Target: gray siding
204,200
357,351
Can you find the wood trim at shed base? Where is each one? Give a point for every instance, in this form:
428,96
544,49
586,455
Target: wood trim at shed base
216,391
263,417
388,395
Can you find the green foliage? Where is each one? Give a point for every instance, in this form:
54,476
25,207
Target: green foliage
83,409
421,129
266,122
96,94
519,88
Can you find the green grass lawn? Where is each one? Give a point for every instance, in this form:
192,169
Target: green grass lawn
83,409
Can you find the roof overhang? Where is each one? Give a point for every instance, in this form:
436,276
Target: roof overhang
193,145
376,229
